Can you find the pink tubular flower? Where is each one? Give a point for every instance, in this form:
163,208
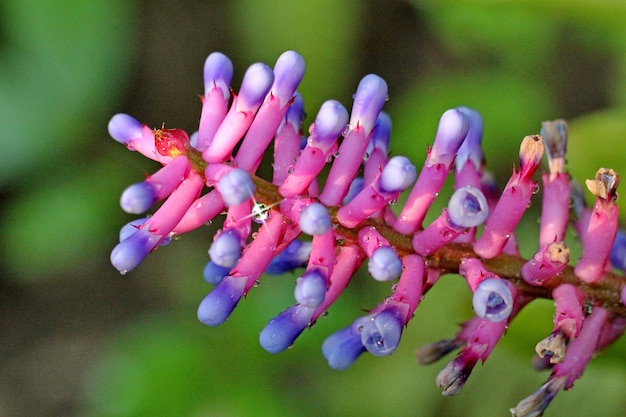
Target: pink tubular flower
453,127
513,202
546,264
602,226
368,102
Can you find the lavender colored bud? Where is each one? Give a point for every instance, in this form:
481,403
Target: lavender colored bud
288,72
282,331
343,347
618,251
236,187
310,289
330,122
314,220
131,228
384,265
493,300
226,249
468,207
471,147
137,198
256,83
124,128
218,72
129,253
214,274
452,130
381,334
398,174
295,113
356,186
369,99
381,134
296,255
220,303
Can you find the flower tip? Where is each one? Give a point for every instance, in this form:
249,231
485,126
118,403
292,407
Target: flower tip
256,83
288,72
343,348
384,265
451,132
310,289
314,220
282,331
399,173
468,207
138,198
130,252
380,334
236,187
218,72
220,303
369,99
214,274
330,122
225,250
493,300
124,128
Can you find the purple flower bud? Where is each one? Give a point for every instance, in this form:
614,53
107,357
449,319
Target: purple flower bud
295,114
468,207
356,186
329,124
398,174
256,83
236,187
213,273
282,331
380,135
381,333
493,300
225,250
124,128
471,149
310,289
220,303
369,99
139,197
314,219
288,72
131,251
131,228
384,265
452,130
296,255
218,72
343,347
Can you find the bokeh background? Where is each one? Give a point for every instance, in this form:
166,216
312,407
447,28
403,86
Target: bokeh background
79,339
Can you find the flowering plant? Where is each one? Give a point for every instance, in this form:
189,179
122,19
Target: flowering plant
330,228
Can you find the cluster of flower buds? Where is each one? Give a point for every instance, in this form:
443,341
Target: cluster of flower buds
328,230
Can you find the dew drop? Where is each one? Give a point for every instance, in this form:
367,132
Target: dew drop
254,235
256,283
535,188
366,156
393,202
329,159
324,314
123,272
290,169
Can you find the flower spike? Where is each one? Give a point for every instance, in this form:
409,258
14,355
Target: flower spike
322,224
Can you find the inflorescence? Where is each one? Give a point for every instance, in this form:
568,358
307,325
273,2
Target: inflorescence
330,230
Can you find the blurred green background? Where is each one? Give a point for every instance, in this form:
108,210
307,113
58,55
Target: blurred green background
78,339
